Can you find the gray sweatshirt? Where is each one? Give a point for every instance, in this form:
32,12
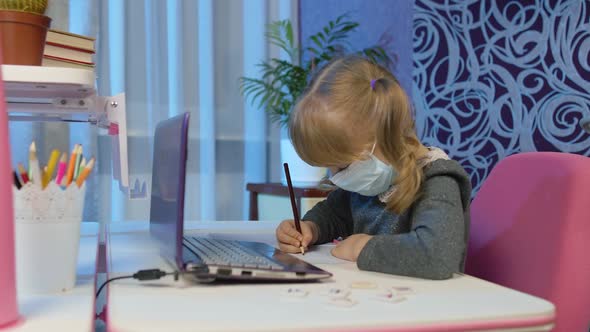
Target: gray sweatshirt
428,240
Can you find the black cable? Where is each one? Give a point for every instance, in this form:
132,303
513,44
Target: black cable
112,279
142,275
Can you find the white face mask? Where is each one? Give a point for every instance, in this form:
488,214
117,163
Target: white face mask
369,177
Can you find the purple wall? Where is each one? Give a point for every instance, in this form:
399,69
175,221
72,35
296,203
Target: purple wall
375,17
495,78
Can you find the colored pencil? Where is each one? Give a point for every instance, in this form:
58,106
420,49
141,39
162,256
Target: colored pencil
61,168
82,165
17,180
34,166
87,169
78,160
23,173
50,167
71,165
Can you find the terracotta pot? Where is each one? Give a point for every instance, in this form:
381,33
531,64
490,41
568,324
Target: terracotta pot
23,37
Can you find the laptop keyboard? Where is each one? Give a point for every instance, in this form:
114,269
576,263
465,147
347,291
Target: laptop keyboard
230,253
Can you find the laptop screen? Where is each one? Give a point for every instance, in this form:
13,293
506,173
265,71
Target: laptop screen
168,179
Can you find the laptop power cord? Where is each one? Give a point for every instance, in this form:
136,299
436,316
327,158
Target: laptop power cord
142,275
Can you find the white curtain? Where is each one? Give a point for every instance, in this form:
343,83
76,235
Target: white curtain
172,56
184,55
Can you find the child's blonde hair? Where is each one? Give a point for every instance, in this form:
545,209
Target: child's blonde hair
349,105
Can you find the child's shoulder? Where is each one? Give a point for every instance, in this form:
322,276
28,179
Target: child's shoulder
436,162
441,173
444,167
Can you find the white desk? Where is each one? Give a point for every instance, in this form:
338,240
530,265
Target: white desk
459,304
68,311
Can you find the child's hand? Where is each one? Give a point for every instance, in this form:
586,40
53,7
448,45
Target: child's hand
351,248
290,240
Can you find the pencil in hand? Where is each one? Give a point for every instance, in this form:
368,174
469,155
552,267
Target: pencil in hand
294,205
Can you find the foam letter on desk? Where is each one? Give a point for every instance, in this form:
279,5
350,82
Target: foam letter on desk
8,306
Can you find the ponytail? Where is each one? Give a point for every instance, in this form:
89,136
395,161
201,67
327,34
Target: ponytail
397,141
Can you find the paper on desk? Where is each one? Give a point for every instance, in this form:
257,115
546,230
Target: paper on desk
321,255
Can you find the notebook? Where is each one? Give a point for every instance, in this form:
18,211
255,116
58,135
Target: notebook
202,258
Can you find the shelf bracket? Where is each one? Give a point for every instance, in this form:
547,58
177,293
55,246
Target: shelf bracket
111,115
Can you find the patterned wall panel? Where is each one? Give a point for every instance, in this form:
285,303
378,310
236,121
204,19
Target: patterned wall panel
494,78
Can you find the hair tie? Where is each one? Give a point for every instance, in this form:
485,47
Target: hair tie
373,84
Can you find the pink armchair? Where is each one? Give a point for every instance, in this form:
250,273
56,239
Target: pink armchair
530,231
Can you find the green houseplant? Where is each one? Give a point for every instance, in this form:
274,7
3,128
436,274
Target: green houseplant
282,81
32,6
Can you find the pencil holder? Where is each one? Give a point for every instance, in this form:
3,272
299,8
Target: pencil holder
47,229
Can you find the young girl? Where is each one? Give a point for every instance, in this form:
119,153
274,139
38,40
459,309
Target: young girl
401,207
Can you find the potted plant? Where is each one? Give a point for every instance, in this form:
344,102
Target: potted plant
23,28
281,82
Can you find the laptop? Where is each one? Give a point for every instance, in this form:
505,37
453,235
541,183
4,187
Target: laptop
203,258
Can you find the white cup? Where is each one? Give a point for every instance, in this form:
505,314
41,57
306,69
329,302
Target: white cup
47,237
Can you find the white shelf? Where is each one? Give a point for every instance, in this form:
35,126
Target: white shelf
35,93
47,82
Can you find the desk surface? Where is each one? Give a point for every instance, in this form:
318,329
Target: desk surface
460,303
68,311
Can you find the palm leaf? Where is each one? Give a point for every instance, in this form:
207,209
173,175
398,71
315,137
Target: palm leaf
280,34
282,82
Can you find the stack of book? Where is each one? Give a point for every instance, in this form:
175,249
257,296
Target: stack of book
65,49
